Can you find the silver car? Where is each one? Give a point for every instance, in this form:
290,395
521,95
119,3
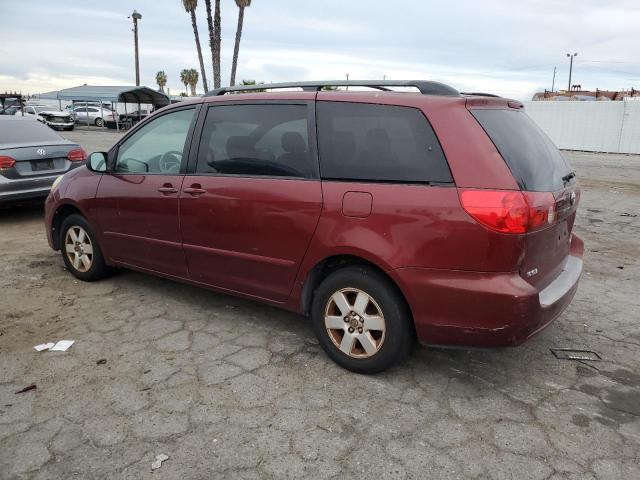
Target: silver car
50,116
32,156
94,115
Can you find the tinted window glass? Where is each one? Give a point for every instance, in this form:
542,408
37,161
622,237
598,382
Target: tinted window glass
534,161
158,147
359,141
269,140
21,130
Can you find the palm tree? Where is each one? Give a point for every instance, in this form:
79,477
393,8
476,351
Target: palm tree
192,80
214,39
190,6
161,80
242,4
184,78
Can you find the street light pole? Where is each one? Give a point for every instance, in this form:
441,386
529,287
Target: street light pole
136,16
570,68
553,82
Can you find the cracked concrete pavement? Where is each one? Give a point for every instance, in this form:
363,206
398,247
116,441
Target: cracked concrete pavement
228,388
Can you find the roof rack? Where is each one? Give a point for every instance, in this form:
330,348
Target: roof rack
425,87
480,94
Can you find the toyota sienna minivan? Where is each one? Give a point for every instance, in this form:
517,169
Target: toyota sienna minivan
382,215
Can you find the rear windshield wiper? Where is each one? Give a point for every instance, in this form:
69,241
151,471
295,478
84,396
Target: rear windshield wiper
568,177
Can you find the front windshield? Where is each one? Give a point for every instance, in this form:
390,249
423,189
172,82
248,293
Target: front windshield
45,109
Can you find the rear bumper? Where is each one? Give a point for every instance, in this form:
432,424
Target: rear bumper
12,190
484,309
29,187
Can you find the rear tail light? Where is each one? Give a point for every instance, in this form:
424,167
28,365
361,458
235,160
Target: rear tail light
77,155
6,162
510,211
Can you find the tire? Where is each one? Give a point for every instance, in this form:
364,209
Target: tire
80,251
99,122
387,342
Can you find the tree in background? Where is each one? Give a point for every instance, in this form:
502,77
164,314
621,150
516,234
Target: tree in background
217,25
192,79
242,4
190,6
184,78
213,23
161,80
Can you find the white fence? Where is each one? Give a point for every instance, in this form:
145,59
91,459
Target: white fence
612,127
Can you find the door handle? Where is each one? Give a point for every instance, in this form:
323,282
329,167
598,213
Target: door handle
167,188
194,190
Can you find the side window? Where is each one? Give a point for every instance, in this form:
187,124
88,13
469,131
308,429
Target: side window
80,110
157,147
367,142
256,140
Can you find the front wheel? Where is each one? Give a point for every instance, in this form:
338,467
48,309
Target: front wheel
99,122
361,320
80,250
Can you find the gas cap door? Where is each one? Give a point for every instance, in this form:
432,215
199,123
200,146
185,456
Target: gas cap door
357,204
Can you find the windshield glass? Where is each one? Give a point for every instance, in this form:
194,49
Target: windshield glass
45,109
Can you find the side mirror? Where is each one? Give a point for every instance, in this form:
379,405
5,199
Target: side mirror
97,162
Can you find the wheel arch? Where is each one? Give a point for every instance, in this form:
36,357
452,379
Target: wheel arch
62,212
325,267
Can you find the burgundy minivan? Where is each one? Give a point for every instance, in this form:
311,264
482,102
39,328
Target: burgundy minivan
383,215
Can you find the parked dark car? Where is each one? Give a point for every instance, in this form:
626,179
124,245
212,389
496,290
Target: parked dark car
381,215
32,156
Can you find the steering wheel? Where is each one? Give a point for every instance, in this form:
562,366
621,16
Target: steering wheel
170,161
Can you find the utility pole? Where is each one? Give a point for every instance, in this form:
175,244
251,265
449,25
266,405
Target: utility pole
136,16
553,82
570,68
347,75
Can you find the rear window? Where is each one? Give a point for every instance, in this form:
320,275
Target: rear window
535,162
366,142
22,130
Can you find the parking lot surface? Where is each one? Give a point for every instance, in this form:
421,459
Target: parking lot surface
228,388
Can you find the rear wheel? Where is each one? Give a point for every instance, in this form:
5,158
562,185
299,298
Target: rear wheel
99,122
361,320
80,250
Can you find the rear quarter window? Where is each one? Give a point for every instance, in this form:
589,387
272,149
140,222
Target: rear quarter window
367,142
535,162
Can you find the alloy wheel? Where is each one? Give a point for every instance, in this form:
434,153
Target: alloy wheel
355,323
78,248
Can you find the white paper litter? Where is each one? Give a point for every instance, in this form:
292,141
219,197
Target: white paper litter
158,461
44,346
62,346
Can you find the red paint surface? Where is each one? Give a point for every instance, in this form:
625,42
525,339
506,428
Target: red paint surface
261,237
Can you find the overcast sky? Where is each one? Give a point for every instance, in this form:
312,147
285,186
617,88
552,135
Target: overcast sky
499,46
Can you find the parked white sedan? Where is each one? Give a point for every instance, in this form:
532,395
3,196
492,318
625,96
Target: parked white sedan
50,116
94,115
